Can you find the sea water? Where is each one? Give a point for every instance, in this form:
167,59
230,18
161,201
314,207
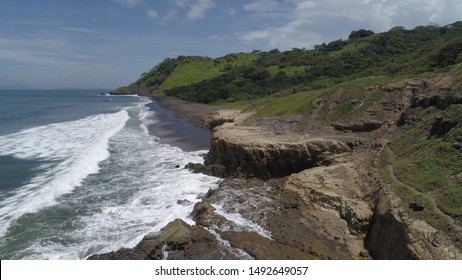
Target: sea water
82,173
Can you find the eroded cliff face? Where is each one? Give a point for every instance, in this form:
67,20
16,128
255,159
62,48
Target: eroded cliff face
253,152
395,235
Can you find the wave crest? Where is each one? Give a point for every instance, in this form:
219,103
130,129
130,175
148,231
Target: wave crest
71,151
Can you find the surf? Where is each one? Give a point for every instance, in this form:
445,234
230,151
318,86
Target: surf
69,153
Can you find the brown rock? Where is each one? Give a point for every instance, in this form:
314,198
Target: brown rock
394,235
359,126
177,240
262,248
252,152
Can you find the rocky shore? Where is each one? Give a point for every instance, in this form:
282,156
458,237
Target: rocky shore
289,193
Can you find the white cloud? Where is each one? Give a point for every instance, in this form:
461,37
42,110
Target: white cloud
171,16
78,29
218,37
40,51
195,9
30,22
129,3
152,14
261,6
254,35
199,8
231,11
309,22
182,3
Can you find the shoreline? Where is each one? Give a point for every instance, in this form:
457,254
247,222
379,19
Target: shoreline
193,112
180,123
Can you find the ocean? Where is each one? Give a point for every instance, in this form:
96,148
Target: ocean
83,173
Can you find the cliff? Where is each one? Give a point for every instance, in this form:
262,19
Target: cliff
394,234
330,186
254,152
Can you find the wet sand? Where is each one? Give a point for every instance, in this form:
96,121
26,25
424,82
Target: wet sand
180,123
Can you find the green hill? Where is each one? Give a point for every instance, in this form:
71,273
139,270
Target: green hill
243,76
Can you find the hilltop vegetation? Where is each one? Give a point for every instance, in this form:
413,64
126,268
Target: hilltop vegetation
243,76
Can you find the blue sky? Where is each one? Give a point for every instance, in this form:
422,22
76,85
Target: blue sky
110,43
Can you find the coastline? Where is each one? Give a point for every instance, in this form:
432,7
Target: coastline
180,123
193,112
288,194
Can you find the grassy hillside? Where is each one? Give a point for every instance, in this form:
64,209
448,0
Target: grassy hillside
244,76
189,70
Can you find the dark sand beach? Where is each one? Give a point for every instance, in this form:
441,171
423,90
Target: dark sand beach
180,123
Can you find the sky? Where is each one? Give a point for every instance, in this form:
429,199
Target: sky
110,43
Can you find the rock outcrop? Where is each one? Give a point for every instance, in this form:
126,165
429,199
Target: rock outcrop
394,235
269,220
176,241
253,152
359,126
432,92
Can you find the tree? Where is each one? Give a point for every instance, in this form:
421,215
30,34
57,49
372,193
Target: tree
361,33
280,77
256,73
335,45
449,54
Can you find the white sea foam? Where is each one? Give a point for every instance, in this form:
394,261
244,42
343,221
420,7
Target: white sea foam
146,115
137,191
71,150
156,186
130,186
241,222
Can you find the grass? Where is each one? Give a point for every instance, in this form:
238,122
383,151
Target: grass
450,200
428,164
408,194
370,99
301,103
237,59
196,70
295,104
345,110
350,48
357,90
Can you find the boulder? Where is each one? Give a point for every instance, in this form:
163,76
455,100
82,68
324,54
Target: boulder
418,205
364,253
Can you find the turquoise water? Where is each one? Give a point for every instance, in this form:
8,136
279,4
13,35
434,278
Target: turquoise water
83,173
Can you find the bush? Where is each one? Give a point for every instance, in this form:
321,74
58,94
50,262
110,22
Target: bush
449,54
